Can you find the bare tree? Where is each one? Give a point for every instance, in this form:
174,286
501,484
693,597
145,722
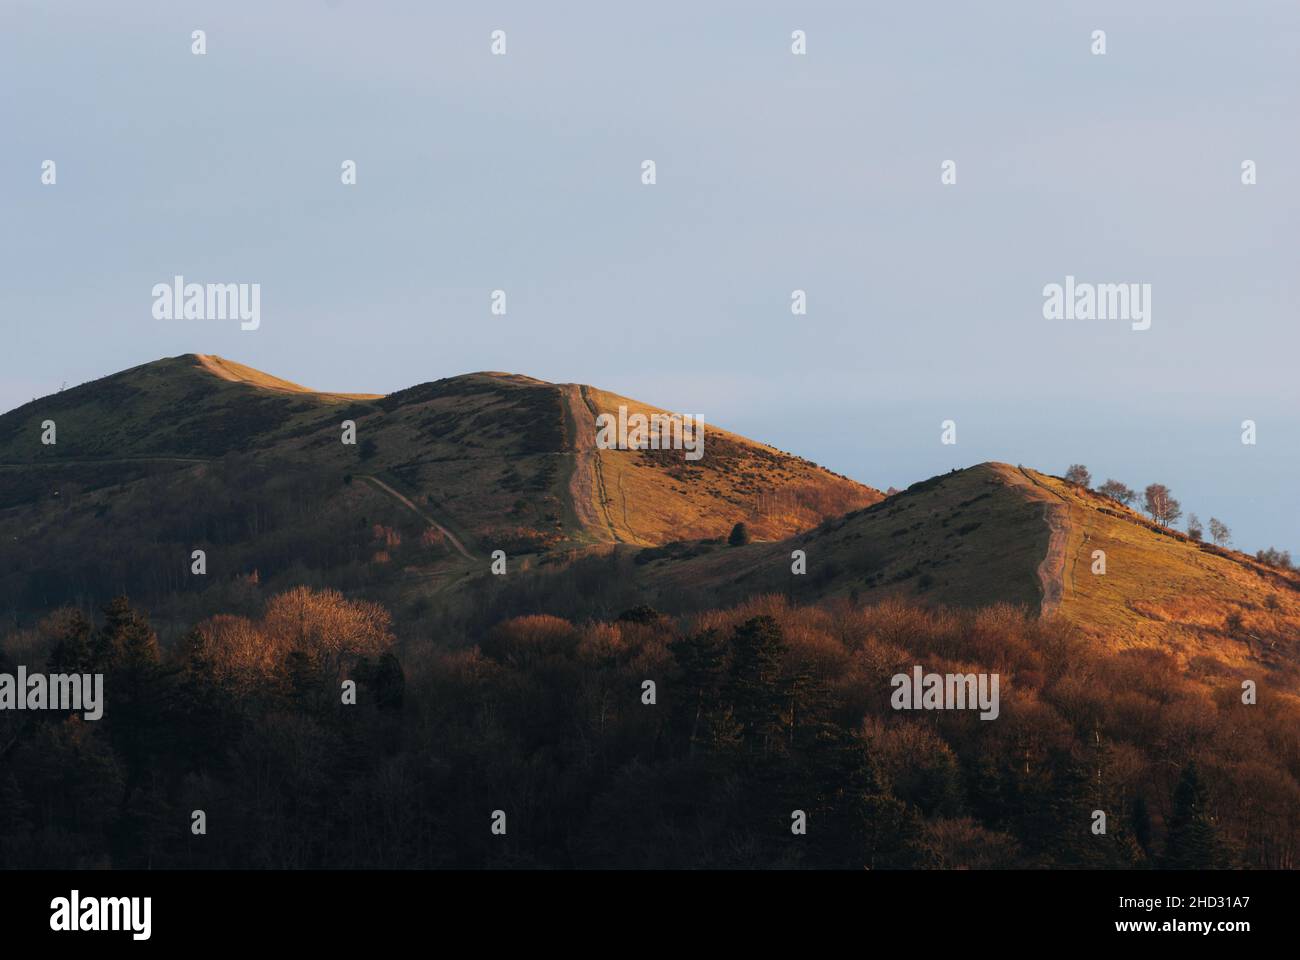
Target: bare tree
1078,475
1117,492
1161,505
1219,532
1194,528
1275,558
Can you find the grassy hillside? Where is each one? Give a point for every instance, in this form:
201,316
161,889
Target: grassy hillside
655,496
170,409
239,373
1121,690
1162,588
997,533
200,452
967,538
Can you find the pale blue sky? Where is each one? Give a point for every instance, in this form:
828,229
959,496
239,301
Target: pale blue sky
775,172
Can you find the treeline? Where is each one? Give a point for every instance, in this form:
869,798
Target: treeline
1160,505
1157,502
639,741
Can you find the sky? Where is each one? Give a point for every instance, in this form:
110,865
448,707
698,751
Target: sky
774,173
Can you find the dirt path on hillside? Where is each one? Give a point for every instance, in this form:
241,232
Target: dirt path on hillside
1052,570
410,505
587,485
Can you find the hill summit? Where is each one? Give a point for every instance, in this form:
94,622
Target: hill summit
997,533
482,461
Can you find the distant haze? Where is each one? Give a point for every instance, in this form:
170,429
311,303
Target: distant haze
775,173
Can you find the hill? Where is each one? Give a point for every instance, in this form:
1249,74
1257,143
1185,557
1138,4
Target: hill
1121,690
997,533
200,452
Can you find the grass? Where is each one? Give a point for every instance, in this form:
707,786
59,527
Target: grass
496,457
981,535
1161,588
655,497
489,455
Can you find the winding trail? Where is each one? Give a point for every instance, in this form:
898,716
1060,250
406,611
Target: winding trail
410,505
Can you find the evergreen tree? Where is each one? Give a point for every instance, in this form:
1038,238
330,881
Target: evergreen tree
1071,801
1192,842
137,688
701,658
755,687
125,639
194,658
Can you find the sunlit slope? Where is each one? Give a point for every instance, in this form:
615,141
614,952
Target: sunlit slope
998,533
239,373
179,407
1162,588
514,461
966,538
653,496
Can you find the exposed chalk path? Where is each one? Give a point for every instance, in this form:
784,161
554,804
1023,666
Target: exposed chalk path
587,485
1052,570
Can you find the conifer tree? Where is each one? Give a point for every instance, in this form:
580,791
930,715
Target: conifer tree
758,649
701,658
1192,842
